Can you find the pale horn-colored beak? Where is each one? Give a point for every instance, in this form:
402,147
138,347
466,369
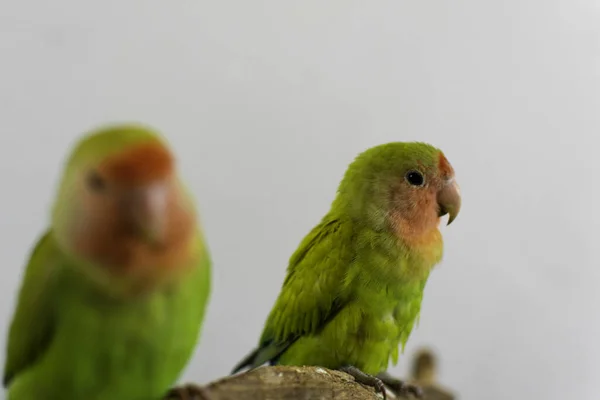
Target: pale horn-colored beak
448,199
146,209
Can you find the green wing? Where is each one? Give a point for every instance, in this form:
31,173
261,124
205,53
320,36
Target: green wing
32,324
312,293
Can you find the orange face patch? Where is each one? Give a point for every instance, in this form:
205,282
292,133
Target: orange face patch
139,165
444,166
101,234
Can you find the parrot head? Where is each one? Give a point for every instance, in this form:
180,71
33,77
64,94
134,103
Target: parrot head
407,186
120,205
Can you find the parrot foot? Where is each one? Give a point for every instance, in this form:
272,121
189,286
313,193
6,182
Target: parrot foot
399,387
187,392
365,379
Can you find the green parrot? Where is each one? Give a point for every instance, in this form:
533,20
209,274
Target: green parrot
115,291
354,286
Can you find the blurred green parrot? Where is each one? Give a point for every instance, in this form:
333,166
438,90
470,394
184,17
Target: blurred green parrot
354,286
114,294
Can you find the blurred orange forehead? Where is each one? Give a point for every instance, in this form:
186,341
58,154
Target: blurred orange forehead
444,166
140,164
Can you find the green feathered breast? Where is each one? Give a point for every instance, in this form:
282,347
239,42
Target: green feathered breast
67,341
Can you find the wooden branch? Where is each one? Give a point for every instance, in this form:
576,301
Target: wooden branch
300,383
290,383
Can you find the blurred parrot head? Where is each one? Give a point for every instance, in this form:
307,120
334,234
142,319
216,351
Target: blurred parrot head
120,205
406,185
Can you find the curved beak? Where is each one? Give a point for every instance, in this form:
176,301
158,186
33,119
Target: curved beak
145,209
448,199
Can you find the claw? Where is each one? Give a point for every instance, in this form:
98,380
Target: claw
399,387
366,379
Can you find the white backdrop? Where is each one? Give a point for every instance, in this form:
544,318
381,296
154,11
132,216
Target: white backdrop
266,102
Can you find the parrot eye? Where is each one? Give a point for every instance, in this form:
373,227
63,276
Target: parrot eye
95,182
415,178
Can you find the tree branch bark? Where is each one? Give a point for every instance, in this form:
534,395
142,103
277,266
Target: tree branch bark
315,383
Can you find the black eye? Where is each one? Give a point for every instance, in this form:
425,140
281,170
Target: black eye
415,178
95,182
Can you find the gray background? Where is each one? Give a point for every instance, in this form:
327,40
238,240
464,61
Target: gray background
266,102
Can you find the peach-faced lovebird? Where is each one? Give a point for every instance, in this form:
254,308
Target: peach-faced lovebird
354,286
114,293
